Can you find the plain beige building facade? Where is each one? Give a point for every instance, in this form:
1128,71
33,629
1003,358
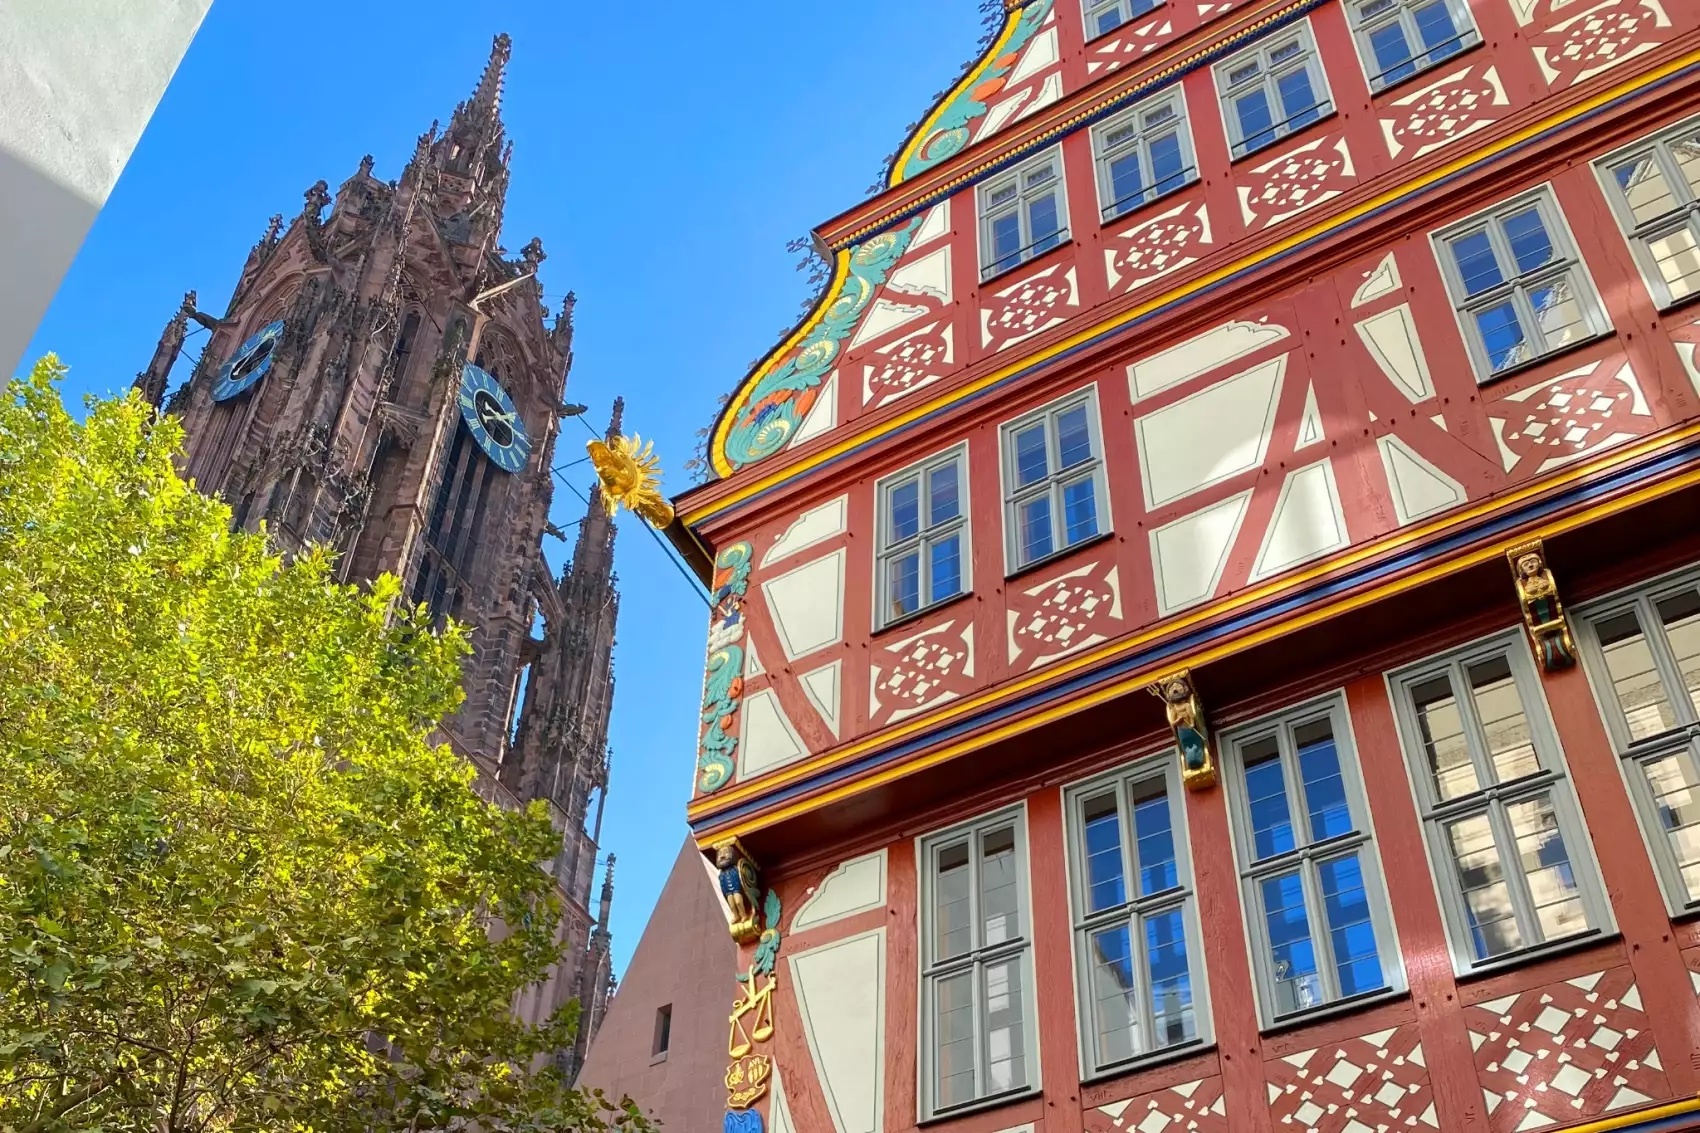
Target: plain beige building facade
79,80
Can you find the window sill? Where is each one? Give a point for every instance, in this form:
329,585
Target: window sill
1147,1062
1523,367
1376,92
915,615
982,1106
1072,548
1106,221
658,1059
1677,304
1002,273
1334,1010
1502,964
1276,143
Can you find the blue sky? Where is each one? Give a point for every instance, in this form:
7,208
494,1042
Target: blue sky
664,151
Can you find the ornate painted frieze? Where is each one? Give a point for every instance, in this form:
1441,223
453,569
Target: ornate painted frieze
1576,41
1151,249
1377,1082
723,682
772,405
1567,417
1300,179
1191,1107
1565,1053
1034,303
1453,106
1060,615
947,131
920,670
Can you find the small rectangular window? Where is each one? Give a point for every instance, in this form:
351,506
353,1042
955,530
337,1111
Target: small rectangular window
1143,153
1313,893
1054,490
1518,284
1135,917
924,549
1023,213
1654,188
1504,833
1274,88
1642,653
1401,38
1105,16
663,1030
978,1037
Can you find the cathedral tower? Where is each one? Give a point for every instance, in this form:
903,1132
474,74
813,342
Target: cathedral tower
388,381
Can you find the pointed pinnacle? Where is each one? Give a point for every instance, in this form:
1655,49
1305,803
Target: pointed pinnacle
488,96
619,413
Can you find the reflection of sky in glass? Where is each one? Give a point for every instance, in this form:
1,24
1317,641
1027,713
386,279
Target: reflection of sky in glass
1105,887
1291,952
1266,793
1350,930
1324,789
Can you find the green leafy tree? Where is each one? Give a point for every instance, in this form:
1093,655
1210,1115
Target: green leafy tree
240,886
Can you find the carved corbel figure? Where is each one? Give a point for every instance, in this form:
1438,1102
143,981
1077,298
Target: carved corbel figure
1192,732
1543,613
740,888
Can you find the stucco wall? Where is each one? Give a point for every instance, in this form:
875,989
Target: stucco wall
79,80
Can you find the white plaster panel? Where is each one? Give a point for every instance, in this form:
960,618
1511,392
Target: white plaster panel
1041,52
856,886
822,688
1310,422
823,416
1199,355
1308,521
1000,113
781,1111
1049,91
1211,436
766,737
841,998
1383,280
936,223
752,664
807,605
929,275
1189,555
1419,488
1391,338
883,316
814,526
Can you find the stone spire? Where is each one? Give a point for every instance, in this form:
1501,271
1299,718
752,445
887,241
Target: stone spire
151,381
472,144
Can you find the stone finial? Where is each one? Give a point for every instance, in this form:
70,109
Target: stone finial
366,166
532,255
273,227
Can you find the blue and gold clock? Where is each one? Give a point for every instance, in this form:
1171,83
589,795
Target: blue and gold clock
251,362
490,414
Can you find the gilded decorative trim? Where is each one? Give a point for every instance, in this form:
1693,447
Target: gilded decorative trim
1406,564
1543,613
1394,194
1186,720
751,1026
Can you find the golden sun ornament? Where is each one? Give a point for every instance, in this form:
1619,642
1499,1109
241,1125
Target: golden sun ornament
631,476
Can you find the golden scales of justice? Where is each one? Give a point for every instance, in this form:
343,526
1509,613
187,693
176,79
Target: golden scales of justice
630,473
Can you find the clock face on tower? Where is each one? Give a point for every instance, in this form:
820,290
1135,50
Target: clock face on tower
249,364
490,414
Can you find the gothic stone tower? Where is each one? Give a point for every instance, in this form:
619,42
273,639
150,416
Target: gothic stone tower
386,380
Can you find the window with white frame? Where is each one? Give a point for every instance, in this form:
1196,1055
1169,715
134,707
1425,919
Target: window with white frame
1518,284
1504,833
1313,894
1654,187
1135,916
1022,213
1272,89
1054,488
1400,38
923,537
1143,153
1105,16
976,980
1642,653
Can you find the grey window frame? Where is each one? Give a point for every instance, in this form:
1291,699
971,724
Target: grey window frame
1633,755
1400,12
1164,765
1310,58
1552,780
1685,215
1306,855
1055,479
1128,10
933,969
887,549
1019,204
1103,152
1567,262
